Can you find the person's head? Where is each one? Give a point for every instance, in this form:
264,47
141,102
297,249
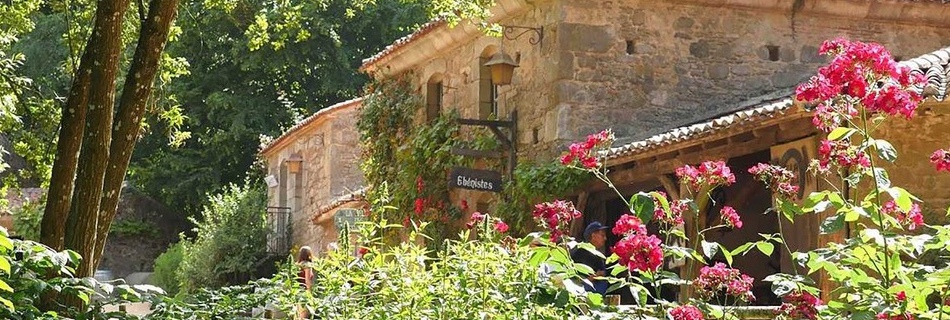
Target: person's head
596,234
305,254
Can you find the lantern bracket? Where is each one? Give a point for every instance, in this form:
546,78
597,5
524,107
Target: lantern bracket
536,38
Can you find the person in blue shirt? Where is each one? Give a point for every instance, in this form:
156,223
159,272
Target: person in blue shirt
595,234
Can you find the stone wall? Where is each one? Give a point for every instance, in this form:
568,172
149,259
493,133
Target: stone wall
329,146
642,66
915,140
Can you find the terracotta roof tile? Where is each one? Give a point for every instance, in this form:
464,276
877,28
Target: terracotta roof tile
401,42
303,123
935,66
356,195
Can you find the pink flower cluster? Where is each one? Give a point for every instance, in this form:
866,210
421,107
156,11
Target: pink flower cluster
779,179
730,217
555,216
478,217
686,312
843,153
672,218
800,305
911,219
585,152
629,225
708,173
862,73
941,160
639,252
720,278
887,316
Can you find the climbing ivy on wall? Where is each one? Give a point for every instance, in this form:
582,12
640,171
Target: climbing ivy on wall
406,165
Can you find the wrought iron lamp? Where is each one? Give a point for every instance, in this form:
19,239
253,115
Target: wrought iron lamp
293,163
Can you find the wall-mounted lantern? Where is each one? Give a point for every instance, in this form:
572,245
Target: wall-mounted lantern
502,68
293,163
501,64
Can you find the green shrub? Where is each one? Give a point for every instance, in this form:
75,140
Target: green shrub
27,219
166,269
230,241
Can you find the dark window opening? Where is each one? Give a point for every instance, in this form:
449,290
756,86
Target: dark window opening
534,136
487,91
773,52
433,100
630,47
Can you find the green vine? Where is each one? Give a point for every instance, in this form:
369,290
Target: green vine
406,164
535,183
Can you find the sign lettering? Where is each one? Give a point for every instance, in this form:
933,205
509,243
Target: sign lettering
474,179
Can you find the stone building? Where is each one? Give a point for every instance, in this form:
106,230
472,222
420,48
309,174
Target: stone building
678,82
313,173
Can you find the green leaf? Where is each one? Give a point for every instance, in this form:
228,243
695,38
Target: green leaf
716,312
5,265
851,215
641,204
6,243
885,150
742,249
832,224
709,248
591,248
727,254
765,247
583,269
813,200
595,299
901,197
5,287
841,133
8,304
883,180
790,210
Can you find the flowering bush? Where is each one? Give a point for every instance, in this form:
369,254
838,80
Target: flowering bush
878,272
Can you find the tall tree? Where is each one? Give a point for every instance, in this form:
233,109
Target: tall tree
78,217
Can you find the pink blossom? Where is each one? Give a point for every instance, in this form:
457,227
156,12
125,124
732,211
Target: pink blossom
464,205
901,296
887,316
639,252
941,159
420,184
475,219
555,216
708,173
686,312
862,73
843,153
800,305
777,178
674,217
420,206
721,279
911,219
585,153
730,217
628,225
501,226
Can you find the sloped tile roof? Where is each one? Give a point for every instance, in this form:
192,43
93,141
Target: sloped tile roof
935,66
356,195
303,123
759,112
401,42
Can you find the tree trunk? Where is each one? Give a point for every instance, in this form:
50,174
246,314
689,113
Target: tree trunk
53,227
94,153
135,94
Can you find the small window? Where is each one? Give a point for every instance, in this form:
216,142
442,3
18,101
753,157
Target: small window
433,100
487,91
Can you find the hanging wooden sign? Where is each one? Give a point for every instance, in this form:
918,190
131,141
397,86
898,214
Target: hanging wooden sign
475,179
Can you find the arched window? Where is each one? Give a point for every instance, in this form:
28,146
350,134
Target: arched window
434,97
487,91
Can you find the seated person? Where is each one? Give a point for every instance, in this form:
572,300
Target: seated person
595,235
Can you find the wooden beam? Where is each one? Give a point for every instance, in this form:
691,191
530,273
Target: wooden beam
672,188
466,152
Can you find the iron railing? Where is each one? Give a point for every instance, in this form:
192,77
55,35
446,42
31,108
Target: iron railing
278,230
